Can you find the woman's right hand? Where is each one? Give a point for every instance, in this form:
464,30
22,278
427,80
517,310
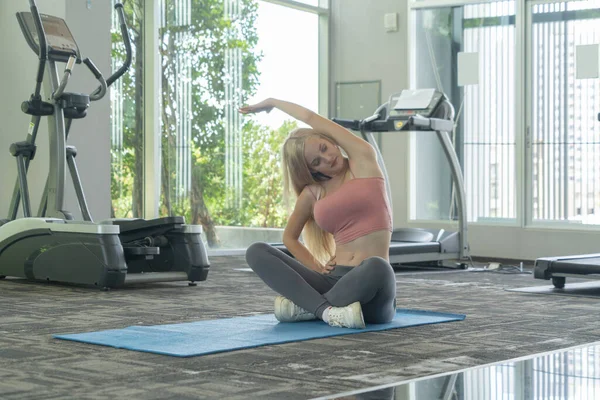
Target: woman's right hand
265,105
327,268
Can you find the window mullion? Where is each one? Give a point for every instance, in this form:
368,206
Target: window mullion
152,96
323,60
523,114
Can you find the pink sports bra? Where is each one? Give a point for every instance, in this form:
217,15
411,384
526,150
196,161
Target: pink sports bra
359,207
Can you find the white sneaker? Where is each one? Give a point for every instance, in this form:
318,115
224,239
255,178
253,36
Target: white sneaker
287,311
350,316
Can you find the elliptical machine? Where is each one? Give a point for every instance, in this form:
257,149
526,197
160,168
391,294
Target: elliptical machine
53,246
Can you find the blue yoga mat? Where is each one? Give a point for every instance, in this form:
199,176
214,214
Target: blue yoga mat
221,335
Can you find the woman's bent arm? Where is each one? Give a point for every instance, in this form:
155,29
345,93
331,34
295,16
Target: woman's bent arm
293,229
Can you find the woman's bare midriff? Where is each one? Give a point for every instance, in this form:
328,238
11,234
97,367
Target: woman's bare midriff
371,245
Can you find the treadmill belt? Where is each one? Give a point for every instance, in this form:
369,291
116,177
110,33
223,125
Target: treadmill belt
397,248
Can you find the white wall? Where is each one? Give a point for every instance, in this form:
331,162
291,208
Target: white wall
361,50
91,136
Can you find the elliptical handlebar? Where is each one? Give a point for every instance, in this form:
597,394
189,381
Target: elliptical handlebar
101,90
127,41
43,44
105,84
65,79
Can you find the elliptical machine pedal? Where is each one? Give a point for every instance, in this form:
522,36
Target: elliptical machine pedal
163,245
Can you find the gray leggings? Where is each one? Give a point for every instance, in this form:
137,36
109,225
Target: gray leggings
372,283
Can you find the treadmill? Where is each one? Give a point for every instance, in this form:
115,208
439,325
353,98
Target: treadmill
434,114
53,246
558,269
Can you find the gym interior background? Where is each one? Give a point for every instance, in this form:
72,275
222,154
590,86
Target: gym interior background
168,140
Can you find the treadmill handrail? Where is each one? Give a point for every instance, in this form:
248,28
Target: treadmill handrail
435,124
457,177
443,128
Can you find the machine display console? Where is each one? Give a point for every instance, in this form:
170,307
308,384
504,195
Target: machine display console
61,44
425,102
395,115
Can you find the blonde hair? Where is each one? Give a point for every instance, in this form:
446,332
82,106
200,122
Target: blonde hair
296,172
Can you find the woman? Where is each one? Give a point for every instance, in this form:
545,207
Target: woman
343,275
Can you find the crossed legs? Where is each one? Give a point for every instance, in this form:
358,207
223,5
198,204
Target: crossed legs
372,283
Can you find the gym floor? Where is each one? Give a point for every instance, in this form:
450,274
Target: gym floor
500,325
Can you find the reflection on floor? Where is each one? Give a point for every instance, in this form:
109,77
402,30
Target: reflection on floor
564,374
500,325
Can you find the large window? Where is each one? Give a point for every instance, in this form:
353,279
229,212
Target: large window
484,137
216,168
219,169
564,133
559,129
211,165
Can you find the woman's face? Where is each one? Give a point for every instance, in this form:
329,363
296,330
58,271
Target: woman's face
323,156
